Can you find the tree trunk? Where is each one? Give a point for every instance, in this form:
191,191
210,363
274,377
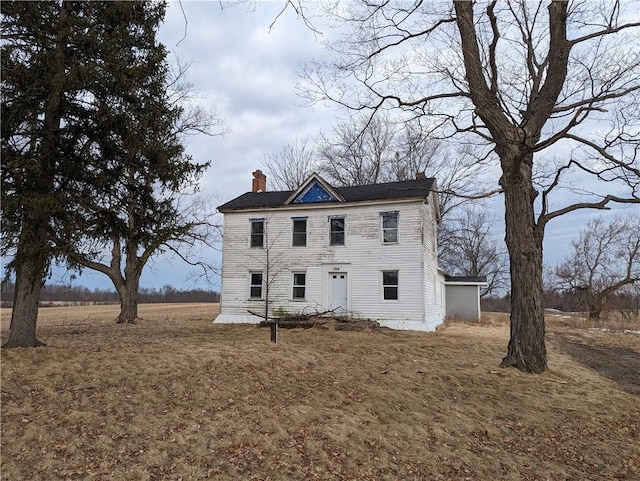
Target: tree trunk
526,350
595,309
30,274
514,145
129,284
34,252
128,293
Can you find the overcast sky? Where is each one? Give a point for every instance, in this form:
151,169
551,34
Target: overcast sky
247,73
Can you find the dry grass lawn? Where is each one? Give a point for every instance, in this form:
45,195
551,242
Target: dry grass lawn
177,397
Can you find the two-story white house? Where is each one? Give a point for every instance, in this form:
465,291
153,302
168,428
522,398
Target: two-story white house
368,251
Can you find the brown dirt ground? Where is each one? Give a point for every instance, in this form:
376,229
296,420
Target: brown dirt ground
177,397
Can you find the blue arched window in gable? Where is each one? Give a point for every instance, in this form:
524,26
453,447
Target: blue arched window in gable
314,193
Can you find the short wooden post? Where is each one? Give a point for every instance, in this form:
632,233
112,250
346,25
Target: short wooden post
274,331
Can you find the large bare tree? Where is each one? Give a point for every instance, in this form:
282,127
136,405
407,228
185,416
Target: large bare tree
530,82
604,259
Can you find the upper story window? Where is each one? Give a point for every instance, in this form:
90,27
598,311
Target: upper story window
389,222
336,231
299,232
257,233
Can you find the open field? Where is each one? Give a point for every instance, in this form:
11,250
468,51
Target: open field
177,397
101,314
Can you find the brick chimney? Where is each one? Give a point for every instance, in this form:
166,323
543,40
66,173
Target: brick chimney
420,175
259,182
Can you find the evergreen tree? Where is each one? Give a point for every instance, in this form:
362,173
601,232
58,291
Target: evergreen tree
138,208
90,141
41,146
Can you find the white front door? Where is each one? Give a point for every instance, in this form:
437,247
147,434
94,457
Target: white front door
338,301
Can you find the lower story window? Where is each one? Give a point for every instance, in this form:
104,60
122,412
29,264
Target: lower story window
390,285
256,285
299,285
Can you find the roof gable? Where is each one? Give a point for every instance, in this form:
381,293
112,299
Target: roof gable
314,189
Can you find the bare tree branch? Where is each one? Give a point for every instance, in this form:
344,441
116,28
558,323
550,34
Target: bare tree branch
604,259
602,205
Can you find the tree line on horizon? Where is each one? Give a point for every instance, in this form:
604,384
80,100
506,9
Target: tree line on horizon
83,295
569,300
623,304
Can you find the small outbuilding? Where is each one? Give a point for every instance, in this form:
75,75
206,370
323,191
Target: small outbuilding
463,297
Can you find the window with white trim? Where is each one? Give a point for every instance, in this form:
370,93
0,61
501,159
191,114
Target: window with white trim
390,285
255,287
299,285
389,224
299,232
256,234
336,231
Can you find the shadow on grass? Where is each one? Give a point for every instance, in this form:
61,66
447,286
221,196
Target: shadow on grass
620,364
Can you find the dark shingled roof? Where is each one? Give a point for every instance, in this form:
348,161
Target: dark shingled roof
419,188
463,279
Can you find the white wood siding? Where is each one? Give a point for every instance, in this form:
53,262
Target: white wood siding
362,258
463,302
